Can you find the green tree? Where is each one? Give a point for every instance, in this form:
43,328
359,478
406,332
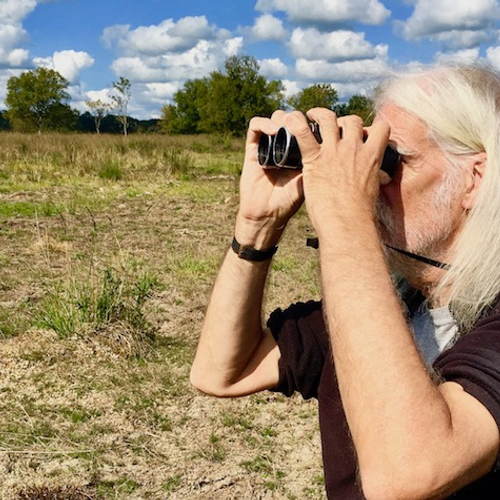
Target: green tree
185,117
121,98
4,123
168,118
357,105
223,102
321,95
238,94
37,100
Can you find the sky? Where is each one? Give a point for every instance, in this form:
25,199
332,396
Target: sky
160,44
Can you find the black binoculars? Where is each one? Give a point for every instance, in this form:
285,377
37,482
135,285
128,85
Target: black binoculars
282,151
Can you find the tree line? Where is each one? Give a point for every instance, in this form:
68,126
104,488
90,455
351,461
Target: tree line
38,101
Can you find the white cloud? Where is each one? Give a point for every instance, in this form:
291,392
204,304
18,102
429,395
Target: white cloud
12,33
328,11
198,62
14,11
273,68
493,57
465,56
267,27
68,63
161,92
169,52
166,37
338,45
458,23
291,88
103,95
347,71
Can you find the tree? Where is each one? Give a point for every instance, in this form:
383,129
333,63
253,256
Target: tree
184,118
358,105
37,100
98,110
238,94
4,123
121,99
318,95
225,101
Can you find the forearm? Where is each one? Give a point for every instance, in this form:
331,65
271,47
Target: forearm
400,423
233,343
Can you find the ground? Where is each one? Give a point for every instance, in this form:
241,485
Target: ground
104,284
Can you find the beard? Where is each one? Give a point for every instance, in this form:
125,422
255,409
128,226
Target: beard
427,228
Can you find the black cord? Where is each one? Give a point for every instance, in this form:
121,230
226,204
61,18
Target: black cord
314,243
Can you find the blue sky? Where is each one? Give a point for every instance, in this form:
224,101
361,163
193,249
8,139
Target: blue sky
159,44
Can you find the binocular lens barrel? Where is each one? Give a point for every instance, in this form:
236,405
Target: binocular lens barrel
282,151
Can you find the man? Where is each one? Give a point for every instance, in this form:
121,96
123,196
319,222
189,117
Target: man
407,377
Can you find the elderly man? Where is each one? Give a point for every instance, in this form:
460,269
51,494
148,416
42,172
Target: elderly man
406,370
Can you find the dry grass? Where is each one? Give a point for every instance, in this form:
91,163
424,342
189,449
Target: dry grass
102,408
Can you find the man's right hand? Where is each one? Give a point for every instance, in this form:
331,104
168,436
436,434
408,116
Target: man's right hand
268,197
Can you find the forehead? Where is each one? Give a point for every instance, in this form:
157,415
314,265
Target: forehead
406,129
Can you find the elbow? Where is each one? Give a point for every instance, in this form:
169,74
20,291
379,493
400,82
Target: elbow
398,483
202,381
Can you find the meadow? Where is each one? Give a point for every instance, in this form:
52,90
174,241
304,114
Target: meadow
108,250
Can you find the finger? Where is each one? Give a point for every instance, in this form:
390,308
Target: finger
352,127
278,117
377,136
296,123
327,121
260,125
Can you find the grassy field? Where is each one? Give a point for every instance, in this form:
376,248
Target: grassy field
108,250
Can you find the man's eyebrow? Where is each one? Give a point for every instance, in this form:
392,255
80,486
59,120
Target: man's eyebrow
402,150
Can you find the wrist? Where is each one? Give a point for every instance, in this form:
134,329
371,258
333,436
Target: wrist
259,235
246,252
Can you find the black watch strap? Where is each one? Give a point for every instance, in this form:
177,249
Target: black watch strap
249,253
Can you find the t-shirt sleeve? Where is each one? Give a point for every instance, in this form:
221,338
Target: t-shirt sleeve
301,335
474,363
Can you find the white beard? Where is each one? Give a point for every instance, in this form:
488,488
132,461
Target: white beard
427,229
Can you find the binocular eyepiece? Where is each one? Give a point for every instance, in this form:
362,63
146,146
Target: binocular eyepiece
282,151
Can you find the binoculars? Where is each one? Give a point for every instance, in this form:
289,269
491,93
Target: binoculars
282,151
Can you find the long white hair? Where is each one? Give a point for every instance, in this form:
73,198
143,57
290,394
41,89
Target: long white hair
461,107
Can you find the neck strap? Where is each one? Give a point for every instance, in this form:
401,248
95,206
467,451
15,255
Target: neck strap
313,242
421,258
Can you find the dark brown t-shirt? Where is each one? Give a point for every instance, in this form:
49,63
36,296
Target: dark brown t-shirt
306,366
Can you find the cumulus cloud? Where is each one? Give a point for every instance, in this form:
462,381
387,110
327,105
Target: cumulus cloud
346,71
461,56
12,33
14,11
205,57
267,27
493,57
170,51
159,59
338,45
166,37
328,11
290,88
458,23
161,92
273,68
103,95
68,63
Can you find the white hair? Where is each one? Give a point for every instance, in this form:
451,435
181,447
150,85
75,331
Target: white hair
461,107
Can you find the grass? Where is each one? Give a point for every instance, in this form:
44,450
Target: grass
109,248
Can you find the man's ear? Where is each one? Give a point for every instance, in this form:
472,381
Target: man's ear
478,167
